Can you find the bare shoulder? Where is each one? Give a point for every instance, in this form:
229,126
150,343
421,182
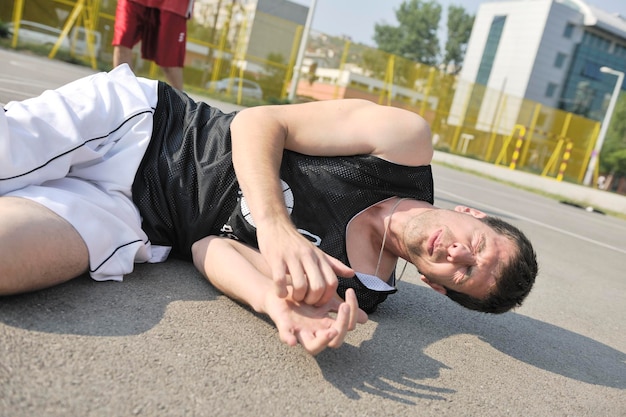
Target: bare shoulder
391,133
346,127
400,136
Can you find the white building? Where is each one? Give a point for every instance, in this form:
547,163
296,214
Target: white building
547,51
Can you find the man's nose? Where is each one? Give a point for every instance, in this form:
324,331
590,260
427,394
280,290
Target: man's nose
459,253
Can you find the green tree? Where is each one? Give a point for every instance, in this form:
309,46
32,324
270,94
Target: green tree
613,155
459,29
416,36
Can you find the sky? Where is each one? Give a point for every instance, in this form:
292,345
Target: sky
356,18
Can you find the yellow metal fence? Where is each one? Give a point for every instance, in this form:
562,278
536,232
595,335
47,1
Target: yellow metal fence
466,118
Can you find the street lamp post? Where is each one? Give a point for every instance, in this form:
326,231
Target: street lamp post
605,124
303,42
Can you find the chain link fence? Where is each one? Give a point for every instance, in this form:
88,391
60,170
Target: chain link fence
239,43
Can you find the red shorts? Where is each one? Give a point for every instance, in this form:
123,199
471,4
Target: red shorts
162,34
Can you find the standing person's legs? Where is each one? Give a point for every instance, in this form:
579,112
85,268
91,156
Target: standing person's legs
38,249
174,76
168,45
127,31
122,55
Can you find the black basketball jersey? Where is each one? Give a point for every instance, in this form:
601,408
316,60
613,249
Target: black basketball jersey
186,188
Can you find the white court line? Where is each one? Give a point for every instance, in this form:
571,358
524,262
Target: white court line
547,226
15,92
15,81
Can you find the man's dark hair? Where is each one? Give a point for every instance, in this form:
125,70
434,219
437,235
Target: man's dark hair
516,278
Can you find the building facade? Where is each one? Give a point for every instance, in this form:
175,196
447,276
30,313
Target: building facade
547,51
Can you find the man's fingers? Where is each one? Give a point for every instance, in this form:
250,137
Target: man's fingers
338,267
354,307
332,337
313,280
356,314
287,336
323,287
315,343
308,270
341,325
280,283
314,273
321,272
331,268
295,277
361,317
314,340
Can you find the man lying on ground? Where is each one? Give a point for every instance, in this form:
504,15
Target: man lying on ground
112,169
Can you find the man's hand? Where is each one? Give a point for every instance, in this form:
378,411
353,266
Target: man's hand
313,326
241,272
295,261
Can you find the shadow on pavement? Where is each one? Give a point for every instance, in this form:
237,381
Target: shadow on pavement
395,356
393,364
83,306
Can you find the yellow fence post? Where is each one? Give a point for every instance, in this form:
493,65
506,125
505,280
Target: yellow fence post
457,131
553,158
590,147
518,146
292,61
507,141
78,8
387,89
342,64
91,25
153,71
429,84
566,156
18,8
238,58
566,123
494,133
531,130
220,49
505,146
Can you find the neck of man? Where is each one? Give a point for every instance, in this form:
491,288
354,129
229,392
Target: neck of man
396,221
366,235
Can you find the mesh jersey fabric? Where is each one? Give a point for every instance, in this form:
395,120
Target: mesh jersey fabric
185,187
327,192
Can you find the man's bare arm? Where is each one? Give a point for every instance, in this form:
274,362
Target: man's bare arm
241,273
326,128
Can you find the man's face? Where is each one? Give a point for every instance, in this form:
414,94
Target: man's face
455,250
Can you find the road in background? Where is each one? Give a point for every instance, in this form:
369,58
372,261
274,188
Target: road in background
165,343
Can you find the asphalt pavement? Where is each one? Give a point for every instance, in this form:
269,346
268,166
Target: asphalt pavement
166,343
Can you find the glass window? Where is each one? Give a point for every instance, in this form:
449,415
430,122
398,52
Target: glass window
551,89
596,41
560,60
592,70
491,47
585,38
569,30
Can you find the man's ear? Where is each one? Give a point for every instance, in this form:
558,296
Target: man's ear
439,288
471,211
